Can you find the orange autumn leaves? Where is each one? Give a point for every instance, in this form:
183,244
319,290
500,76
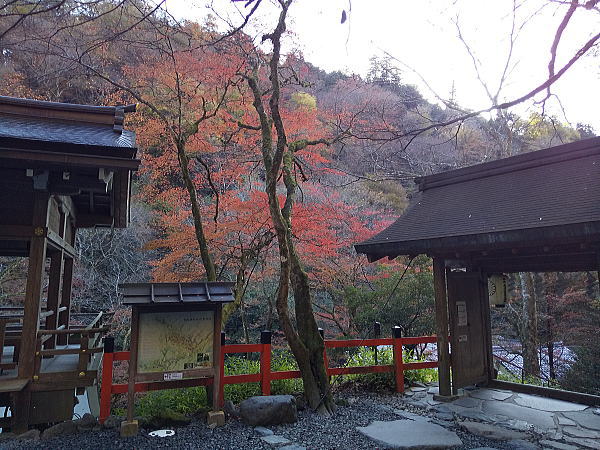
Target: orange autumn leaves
224,161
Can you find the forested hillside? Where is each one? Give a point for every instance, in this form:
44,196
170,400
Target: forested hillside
200,207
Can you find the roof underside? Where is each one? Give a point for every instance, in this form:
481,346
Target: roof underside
541,198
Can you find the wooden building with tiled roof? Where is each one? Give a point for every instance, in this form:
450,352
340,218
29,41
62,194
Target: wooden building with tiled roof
534,212
62,167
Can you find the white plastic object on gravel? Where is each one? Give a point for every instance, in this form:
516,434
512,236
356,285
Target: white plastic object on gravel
162,433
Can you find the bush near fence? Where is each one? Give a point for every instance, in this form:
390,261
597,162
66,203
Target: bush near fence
276,372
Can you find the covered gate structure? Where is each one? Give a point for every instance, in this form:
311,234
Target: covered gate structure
535,212
62,167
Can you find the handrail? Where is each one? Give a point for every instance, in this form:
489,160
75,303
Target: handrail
70,351
45,314
83,331
95,321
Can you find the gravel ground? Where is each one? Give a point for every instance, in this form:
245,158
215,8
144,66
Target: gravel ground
311,431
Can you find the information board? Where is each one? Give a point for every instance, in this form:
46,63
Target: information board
175,341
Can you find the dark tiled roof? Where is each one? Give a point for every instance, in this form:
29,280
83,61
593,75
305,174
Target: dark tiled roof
70,132
558,186
159,293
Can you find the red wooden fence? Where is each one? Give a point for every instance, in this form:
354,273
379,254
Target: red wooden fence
265,376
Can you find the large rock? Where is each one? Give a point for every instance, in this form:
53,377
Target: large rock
269,410
87,422
410,434
31,435
492,431
60,429
113,422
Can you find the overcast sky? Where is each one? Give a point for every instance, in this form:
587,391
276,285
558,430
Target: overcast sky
422,35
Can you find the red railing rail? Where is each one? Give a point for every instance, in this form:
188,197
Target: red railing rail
265,375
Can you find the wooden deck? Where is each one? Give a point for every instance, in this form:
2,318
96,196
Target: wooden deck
59,363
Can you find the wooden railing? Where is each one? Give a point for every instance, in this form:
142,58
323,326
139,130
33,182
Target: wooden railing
266,375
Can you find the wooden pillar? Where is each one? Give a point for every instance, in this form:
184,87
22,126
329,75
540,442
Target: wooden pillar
33,290
441,323
54,294
31,311
487,322
216,406
67,284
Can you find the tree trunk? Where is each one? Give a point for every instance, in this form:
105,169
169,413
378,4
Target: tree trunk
278,159
207,261
531,366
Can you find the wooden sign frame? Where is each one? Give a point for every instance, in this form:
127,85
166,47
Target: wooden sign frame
213,372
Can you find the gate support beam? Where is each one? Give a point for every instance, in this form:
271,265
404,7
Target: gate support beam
441,324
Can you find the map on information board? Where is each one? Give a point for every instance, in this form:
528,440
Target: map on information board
175,341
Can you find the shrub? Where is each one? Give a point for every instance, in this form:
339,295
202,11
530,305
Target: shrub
283,360
190,401
365,356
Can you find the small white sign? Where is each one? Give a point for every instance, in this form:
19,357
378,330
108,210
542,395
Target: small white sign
461,309
173,376
462,338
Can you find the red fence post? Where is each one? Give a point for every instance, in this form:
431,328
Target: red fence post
325,360
222,369
398,360
376,335
107,373
265,362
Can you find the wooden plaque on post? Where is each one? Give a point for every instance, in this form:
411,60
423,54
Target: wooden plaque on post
175,334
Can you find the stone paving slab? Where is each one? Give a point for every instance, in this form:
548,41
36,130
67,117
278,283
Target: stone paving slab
467,402
547,404
564,421
520,444
585,418
409,434
584,443
275,440
492,431
542,419
556,445
581,432
490,394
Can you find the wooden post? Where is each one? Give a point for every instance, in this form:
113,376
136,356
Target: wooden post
265,362
54,291
133,356
217,359
33,290
107,372
222,371
398,358
325,360
31,311
441,322
67,282
376,335
488,326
